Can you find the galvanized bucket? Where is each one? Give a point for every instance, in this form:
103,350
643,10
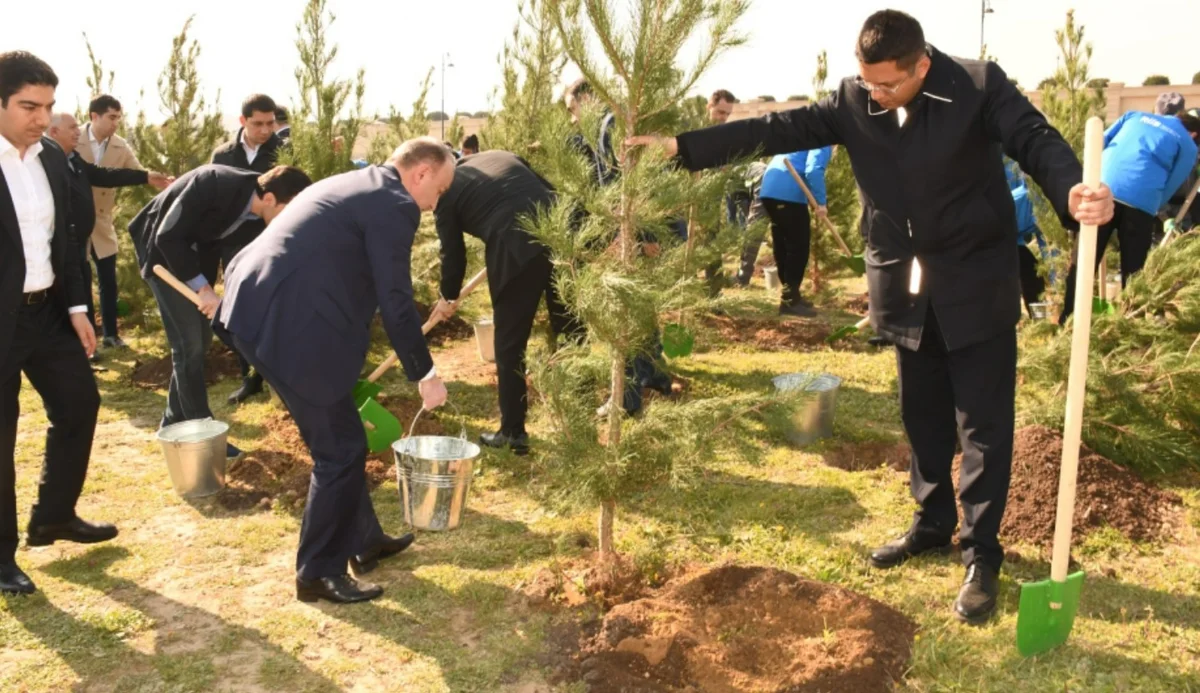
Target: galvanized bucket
814,418
435,476
485,339
195,452
771,278
1039,311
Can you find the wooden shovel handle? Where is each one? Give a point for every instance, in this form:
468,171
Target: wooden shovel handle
812,202
1182,212
433,320
165,274
863,323
1077,374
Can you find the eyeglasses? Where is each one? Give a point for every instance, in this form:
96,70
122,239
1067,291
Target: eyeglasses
885,88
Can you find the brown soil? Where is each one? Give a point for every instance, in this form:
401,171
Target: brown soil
280,467
1106,495
447,330
603,583
858,304
736,628
775,334
859,457
220,362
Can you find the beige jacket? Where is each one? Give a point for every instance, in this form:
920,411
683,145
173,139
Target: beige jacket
117,155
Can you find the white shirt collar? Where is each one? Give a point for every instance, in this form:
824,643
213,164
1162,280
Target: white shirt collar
6,147
246,144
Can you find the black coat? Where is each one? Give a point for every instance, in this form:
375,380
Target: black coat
490,193
181,227
305,293
934,189
69,288
83,176
234,154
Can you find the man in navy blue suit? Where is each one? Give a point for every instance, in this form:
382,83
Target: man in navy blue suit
298,305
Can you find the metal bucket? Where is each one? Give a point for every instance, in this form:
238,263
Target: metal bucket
814,418
195,452
771,278
485,339
435,476
1112,290
1039,311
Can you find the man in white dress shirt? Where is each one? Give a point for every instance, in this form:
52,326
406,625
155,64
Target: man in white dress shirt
44,330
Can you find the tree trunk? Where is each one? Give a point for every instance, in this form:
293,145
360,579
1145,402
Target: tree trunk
608,509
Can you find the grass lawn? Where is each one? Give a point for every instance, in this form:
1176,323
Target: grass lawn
195,597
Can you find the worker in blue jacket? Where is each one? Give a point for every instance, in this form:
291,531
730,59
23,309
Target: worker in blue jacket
791,228
1032,285
1146,158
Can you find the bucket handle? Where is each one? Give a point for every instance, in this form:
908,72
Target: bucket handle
457,412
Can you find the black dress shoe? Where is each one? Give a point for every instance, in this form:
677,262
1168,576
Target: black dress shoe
390,546
896,552
14,581
341,589
76,530
251,385
977,598
518,444
797,309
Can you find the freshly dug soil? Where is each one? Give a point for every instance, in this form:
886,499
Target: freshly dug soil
775,334
860,457
738,628
280,468
1107,494
220,362
447,330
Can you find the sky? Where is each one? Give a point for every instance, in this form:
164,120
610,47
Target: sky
249,47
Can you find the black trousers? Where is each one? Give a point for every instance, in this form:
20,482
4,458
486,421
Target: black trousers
1032,285
48,351
1135,233
967,393
339,519
230,247
791,235
514,307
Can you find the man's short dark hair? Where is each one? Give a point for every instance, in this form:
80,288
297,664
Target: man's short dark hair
103,104
284,182
471,142
281,114
577,89
891,35
1190,122
257,103
722,95
19,69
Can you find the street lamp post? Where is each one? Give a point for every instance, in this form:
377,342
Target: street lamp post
443,80
985,8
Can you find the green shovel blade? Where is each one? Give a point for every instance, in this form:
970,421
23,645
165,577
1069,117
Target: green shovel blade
1102,307
363,391
856,263
677,341
841,332
381,427
1041,626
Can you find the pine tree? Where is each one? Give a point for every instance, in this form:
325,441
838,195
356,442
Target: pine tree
1068,100
454,132
319,122
531,64
619,282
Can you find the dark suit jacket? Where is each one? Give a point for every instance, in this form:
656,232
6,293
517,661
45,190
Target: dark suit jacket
83,176
69,289
233,154
181,227
490,194
305,292
933,189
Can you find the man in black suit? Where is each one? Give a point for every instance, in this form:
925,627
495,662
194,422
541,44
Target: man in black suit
44,330
299,304
491,192
64,130
283,130
181,228
255,148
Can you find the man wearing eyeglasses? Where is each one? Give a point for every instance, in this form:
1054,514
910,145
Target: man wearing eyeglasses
925,133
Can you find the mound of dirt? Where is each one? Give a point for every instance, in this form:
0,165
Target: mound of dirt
860,457
445,331
775,334
220,362
737,628
280,467
1107,494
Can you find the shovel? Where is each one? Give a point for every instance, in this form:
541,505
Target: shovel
1047,610
854,262
1182,213
847,330
381,426
165,274
1100,304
